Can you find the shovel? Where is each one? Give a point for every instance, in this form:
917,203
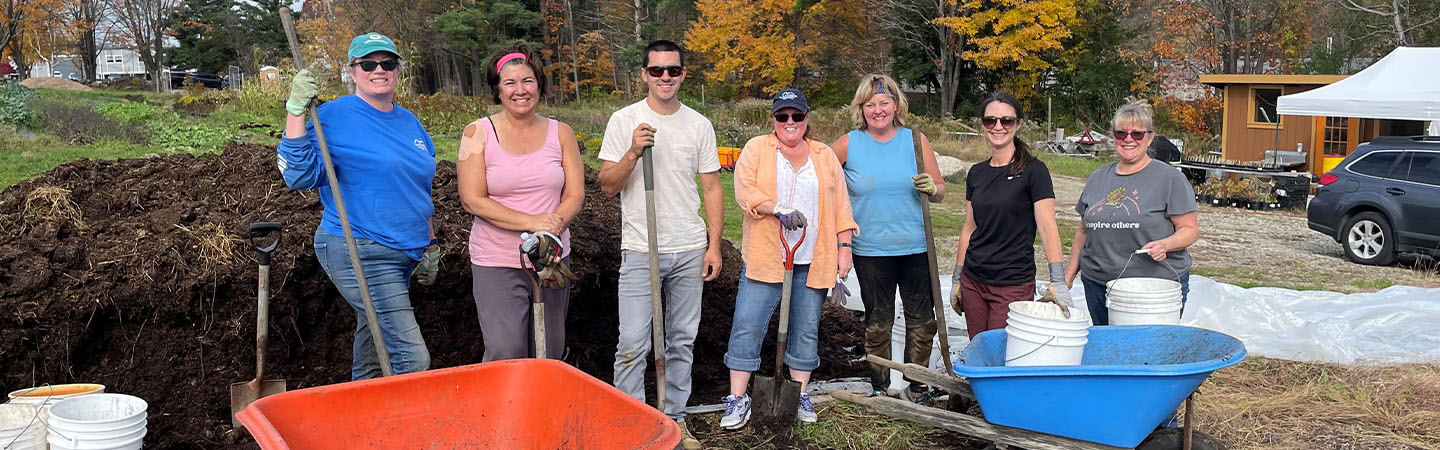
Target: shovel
776,397
244,393
657,320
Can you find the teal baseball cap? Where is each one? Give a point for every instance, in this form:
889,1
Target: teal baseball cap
370,43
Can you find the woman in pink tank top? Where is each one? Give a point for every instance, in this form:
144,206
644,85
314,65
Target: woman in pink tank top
518,173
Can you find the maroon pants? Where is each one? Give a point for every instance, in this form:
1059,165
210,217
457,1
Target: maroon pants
987,305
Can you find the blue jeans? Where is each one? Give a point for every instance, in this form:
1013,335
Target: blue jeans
387,272
1095,297
754,302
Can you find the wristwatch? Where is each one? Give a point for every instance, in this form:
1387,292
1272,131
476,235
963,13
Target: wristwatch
845,244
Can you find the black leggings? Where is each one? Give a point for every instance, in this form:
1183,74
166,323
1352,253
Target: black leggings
879,276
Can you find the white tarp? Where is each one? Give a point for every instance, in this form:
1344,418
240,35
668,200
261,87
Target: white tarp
1395,325
1401,86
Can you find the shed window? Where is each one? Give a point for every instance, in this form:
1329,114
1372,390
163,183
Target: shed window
1262,105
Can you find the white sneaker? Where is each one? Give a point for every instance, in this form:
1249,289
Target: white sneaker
737,412
806,412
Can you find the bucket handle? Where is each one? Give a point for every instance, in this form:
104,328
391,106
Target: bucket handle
38,409
1036,349
1143,251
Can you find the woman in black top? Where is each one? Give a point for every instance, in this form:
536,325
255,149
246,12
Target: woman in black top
1008,198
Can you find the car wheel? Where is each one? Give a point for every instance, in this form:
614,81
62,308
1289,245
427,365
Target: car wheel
1369,239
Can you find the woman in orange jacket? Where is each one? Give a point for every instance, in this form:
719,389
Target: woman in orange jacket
790,184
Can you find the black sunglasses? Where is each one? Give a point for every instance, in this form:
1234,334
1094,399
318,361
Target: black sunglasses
1006,121
782,117
369,66
1134,135
657,71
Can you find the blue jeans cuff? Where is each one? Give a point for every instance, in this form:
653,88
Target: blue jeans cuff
807,365
748,365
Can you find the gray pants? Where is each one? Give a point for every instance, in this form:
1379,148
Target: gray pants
681,276
502,300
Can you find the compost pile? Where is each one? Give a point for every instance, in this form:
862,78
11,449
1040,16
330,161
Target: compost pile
137,274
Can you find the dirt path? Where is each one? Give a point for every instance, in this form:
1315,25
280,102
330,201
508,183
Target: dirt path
1245,248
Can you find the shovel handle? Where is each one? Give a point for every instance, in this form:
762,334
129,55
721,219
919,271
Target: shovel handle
261,230
784,326
941,329
657,320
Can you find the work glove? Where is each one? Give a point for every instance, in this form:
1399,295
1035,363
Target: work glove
924,183
1060,295
790,219
839,293
429,267
543,250
955,303
302,90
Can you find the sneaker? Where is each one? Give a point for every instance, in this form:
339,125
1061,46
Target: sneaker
919,394
737,412
687,440
806,412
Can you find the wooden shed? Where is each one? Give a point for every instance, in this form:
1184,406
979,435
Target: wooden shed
1251,127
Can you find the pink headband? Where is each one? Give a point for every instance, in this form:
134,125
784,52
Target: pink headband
508,58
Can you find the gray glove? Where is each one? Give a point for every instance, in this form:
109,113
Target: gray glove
955,303
429,267
790,218
302,91
838,295
1057,278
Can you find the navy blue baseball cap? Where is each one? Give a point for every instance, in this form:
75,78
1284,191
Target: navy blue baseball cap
789,98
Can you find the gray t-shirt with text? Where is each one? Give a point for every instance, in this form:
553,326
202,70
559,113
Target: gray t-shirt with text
1122,213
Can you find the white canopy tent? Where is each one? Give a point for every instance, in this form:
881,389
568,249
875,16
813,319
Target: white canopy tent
1400,86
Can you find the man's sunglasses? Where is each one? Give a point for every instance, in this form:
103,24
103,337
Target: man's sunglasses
369,66
1134,135
657,71
1006,121
782,117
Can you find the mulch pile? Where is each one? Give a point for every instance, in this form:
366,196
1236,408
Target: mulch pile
54,83
136,274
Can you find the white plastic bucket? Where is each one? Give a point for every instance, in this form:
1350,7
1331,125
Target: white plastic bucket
52,394
98,422
1039,335
21,428
1143,301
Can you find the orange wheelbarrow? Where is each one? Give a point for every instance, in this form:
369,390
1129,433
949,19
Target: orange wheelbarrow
512,404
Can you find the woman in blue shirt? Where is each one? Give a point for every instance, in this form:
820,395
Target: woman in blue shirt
384,162
879,159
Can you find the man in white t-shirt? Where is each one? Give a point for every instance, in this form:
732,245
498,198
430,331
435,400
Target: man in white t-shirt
689,247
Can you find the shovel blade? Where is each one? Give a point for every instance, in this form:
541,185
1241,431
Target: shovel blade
775,398
242,395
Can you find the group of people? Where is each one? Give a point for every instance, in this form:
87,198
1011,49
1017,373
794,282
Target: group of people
812,209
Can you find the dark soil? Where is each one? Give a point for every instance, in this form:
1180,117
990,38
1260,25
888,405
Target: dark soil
141,298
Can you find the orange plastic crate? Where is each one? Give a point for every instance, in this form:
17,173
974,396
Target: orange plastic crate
513,404
728,155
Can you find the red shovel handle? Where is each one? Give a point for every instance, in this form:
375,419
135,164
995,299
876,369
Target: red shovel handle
790,251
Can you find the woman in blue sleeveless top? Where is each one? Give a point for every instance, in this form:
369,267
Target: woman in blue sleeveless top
885,196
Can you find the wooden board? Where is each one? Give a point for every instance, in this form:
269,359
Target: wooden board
950,383
968,425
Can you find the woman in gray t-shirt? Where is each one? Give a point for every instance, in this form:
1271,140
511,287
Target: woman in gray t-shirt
1135,204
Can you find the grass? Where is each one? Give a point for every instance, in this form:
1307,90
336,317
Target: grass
19,164
1250,278
1276,404
842,426
1373,284
1072,166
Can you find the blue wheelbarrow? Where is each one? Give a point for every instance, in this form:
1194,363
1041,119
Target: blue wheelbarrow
1131,380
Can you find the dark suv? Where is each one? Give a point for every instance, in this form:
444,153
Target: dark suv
1382,199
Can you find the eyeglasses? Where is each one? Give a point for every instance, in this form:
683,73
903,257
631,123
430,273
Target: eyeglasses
782,117
657,71
369,66
1134,135
1006,121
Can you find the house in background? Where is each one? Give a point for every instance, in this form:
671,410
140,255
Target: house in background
118,61
1251,126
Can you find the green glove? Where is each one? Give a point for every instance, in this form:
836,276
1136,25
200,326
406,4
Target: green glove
924,183
429,267
302,90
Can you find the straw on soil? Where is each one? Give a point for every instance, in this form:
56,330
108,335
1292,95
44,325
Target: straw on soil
1277,404
214,245
52,204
